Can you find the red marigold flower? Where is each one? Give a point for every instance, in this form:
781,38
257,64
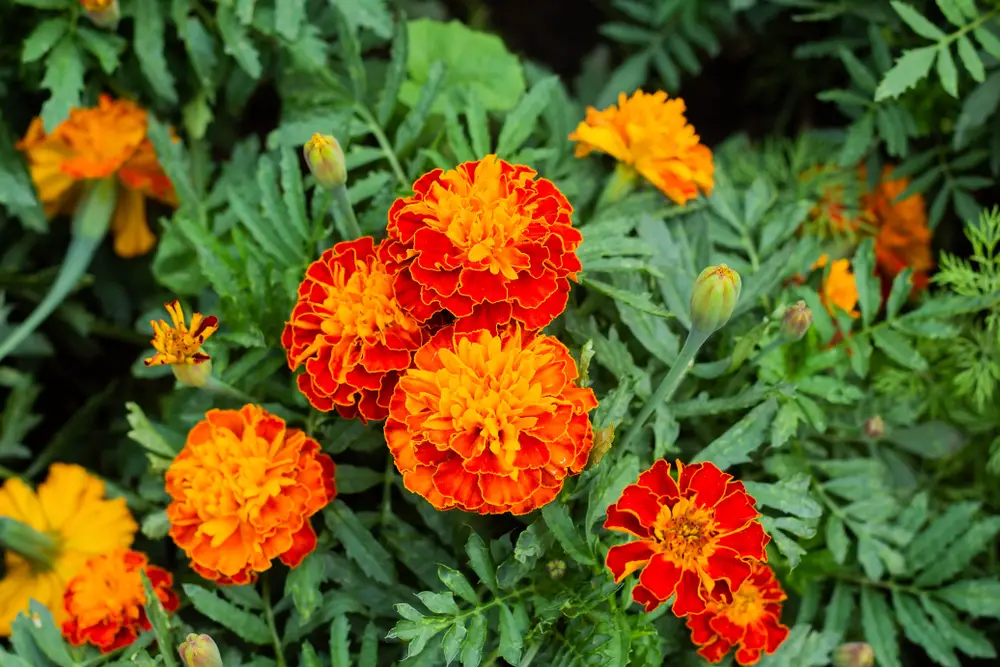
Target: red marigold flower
488,242
750,621
490,423
104,601
243,490
349,332
693,533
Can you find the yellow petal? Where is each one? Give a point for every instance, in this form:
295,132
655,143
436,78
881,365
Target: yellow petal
132,234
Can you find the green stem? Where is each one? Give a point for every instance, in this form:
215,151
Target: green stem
35,546
352,229
383,142
621,183
279,654
217,386
668,385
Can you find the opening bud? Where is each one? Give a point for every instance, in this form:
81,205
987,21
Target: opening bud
714,298
796,321
603,439
556,568
326,160
857,654
199,651
874,427
102,13
193,375
36,547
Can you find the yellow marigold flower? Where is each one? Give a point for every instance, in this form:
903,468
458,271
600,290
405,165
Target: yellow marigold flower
103,141
840,289
650,133
70,507
179,344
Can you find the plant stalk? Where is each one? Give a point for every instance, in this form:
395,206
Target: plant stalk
279,654
352,228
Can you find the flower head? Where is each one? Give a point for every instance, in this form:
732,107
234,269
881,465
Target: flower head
349,332
325,158
70,507
903,238
796,321
490,423
749,620
199,651
693,534
95,143
243,490
179,344
840,289
104,601
650,133
488,242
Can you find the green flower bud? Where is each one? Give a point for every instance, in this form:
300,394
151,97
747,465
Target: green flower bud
714,298
556,568
199,651
796,321
857,654
38,548
193,375
326,160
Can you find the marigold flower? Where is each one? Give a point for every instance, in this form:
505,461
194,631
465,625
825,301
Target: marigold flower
104,601
903,238
488,242
178,344
99,142
243,490
693,534
651,134
750,621
70,506
490,423
350,333
840,289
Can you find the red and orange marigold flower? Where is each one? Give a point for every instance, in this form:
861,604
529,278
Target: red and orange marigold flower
650,134
349,332
694,533
903,238
104,601
750,621
95,143
488,242
490,423
243,490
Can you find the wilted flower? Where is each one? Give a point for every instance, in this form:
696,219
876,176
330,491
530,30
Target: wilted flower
750,621
488,242
694,533
103,13
603,439
490,423
199,651
856,654
243,490
96,143
70,507
179,345
325,158
350,333
713,298
874,427
104,601
649,133
796,321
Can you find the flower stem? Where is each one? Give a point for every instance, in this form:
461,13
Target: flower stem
35,546
383,143
279,654
352,228
621,183
668,385
217,386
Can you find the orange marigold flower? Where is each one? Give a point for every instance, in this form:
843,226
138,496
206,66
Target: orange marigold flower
243,490
103,141
490,423
693,534
180,344
488,242
104,602
750,621
840,289
350,333
903,238
650,133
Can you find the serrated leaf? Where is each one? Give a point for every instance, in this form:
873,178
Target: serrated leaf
900,292
559,521
743,438
414,122
522,119
451,642
959,634
788,495
979,597
877,624
946,71
919,630
149,48
394,75
917,22
930,440
64,80
236,42
970,59
960,553
934,540
288,17
360,545
511,644
457,584
201,49
859,138
909,69
370,14
481,561
245,625
43,38
898,348
836,539
869,293
158,620
47,635
786,423
988,40
303,584
472,647
355,479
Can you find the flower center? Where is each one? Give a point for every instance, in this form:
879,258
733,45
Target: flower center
362,305
747,606
686,533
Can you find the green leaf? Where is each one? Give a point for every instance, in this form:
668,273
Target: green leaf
157,617
43,38
47,635
954,14
244,624
831,389
869,295
946,71
931,544
64,79
350,49
511,644
979,597
900,292
457,584
786,423
743,438
149,48
916,21
788,495
522,119
910,68
369,647
919,630
236,42
970,59
288,17
202,51
859,138
359,544
988,40
106,47
355,479
641,301
481,562
478,64
143,432
559,521
836,539
878,626
414,122
472,648
371,14
451,642
303,584
960,553
898,348
394,76
931,440
959,634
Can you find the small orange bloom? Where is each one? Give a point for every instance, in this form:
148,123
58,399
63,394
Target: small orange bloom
243,490
904,239
488,242
490,423
103,141
750,621
840,288
350,333
694,534
651,134
104,602
180,344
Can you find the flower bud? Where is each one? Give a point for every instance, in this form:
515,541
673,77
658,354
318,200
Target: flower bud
556,568
193,375
326,160
199,651
796,321
102,13
603,439
857,654
38,548
874,427
714,298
